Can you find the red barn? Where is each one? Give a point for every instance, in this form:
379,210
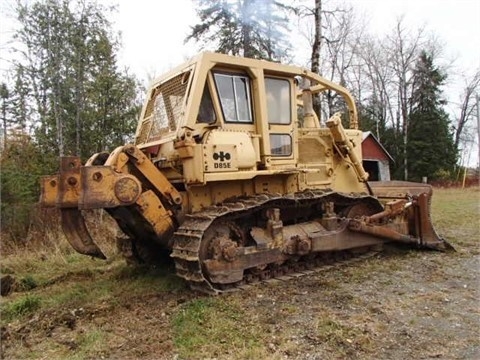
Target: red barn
376,160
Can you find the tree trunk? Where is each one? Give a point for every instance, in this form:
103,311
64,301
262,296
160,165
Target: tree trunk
478,127
404,111
4,120
4,97
316,48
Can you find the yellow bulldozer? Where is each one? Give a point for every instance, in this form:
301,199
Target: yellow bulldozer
234,175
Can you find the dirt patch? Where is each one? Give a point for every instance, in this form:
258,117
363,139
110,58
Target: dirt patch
392,307
136,329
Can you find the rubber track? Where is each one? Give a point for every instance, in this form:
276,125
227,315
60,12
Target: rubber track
188,237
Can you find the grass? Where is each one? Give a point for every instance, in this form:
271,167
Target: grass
54,282
343,338
456,215
22,306
89,344
138,280
27,283
43,264
212,324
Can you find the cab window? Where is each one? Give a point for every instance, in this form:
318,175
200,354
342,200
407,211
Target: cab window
206,113
278,101
235,99
281,144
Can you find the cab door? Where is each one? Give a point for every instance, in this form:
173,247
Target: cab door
279,93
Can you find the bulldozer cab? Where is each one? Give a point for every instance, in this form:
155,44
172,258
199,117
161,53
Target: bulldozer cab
227,115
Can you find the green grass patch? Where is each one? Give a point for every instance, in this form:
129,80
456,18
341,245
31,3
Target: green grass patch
46,267
216,327
141,279
83,284
121,281
91,340
90,345
28,283
21,307
73,295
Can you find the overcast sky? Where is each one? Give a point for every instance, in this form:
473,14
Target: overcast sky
153,32
456,22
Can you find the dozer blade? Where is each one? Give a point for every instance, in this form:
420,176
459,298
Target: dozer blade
420,220
76,232
426,233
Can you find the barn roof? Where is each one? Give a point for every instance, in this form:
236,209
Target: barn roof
367,134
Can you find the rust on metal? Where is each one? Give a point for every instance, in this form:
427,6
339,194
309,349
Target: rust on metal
69,186
73,225
49,190
105,188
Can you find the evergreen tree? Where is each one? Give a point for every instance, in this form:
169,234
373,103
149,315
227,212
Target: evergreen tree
79,101
21,109
371,118
250,28
21,165
5,104
430,148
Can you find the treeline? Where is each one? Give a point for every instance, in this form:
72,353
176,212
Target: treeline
68,96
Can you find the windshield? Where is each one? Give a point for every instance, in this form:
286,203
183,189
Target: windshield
234,93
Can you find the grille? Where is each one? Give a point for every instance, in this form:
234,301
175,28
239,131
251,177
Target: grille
164,109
